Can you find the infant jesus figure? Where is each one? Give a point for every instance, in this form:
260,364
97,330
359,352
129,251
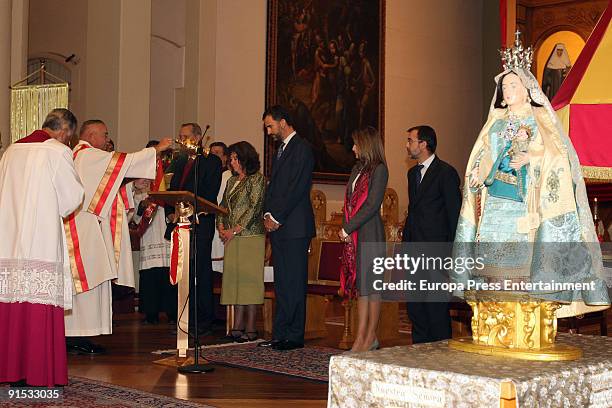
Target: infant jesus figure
520,144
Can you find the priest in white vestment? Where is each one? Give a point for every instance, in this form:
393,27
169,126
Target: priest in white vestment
38,186
99,231
219,149
156,293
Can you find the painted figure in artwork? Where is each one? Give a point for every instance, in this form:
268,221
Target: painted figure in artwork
557,67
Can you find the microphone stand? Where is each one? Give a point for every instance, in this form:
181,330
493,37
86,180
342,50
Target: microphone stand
196,367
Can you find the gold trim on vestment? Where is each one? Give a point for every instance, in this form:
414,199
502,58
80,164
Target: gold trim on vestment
505,177
102,186
73,266
118,225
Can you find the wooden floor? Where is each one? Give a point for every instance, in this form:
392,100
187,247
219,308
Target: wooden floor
129,363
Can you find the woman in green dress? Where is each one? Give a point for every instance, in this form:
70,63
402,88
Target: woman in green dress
242,232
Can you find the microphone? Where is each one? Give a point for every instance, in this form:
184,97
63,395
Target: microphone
202,149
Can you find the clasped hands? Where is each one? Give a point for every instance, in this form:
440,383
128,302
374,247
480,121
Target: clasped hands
269,224
344,237
226,235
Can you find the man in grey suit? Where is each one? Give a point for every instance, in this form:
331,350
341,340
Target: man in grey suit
289,219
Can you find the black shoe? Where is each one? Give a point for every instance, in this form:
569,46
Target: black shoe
248,336
86,349
237,335
288,345
269,343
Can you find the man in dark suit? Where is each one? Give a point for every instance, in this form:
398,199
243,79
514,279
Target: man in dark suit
289,219
209,181
434,202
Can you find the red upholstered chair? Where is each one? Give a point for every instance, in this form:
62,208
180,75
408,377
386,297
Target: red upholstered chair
325,264
323,283
328,258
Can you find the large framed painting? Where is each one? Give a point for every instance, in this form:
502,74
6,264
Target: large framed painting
325,64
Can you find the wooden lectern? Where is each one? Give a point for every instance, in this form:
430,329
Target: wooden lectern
183,202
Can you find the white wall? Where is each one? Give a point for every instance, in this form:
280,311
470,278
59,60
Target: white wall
5,74
102,63
134,75
240,72
66,36
207,64
167,64
111,39
432,76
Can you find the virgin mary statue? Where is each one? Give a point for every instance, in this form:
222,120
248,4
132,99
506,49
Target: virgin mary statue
525,209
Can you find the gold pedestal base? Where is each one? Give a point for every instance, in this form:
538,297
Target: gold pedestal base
558,352
515,325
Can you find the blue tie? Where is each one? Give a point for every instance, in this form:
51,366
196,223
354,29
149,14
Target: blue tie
419,167
279,152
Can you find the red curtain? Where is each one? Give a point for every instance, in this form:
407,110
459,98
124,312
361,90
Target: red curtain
602,191
590,128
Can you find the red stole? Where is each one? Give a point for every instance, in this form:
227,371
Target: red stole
38,136
352,204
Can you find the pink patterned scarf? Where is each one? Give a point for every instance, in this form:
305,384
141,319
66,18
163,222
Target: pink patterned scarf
352,204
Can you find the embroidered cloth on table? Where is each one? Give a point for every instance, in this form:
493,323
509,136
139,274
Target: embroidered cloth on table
435,376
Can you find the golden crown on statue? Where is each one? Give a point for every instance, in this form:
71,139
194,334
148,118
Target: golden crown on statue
517,56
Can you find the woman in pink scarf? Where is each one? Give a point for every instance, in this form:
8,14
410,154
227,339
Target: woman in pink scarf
363,233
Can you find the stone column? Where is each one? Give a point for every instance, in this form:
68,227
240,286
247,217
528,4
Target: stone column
196,101
102,64
5,73
19,39
134,75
